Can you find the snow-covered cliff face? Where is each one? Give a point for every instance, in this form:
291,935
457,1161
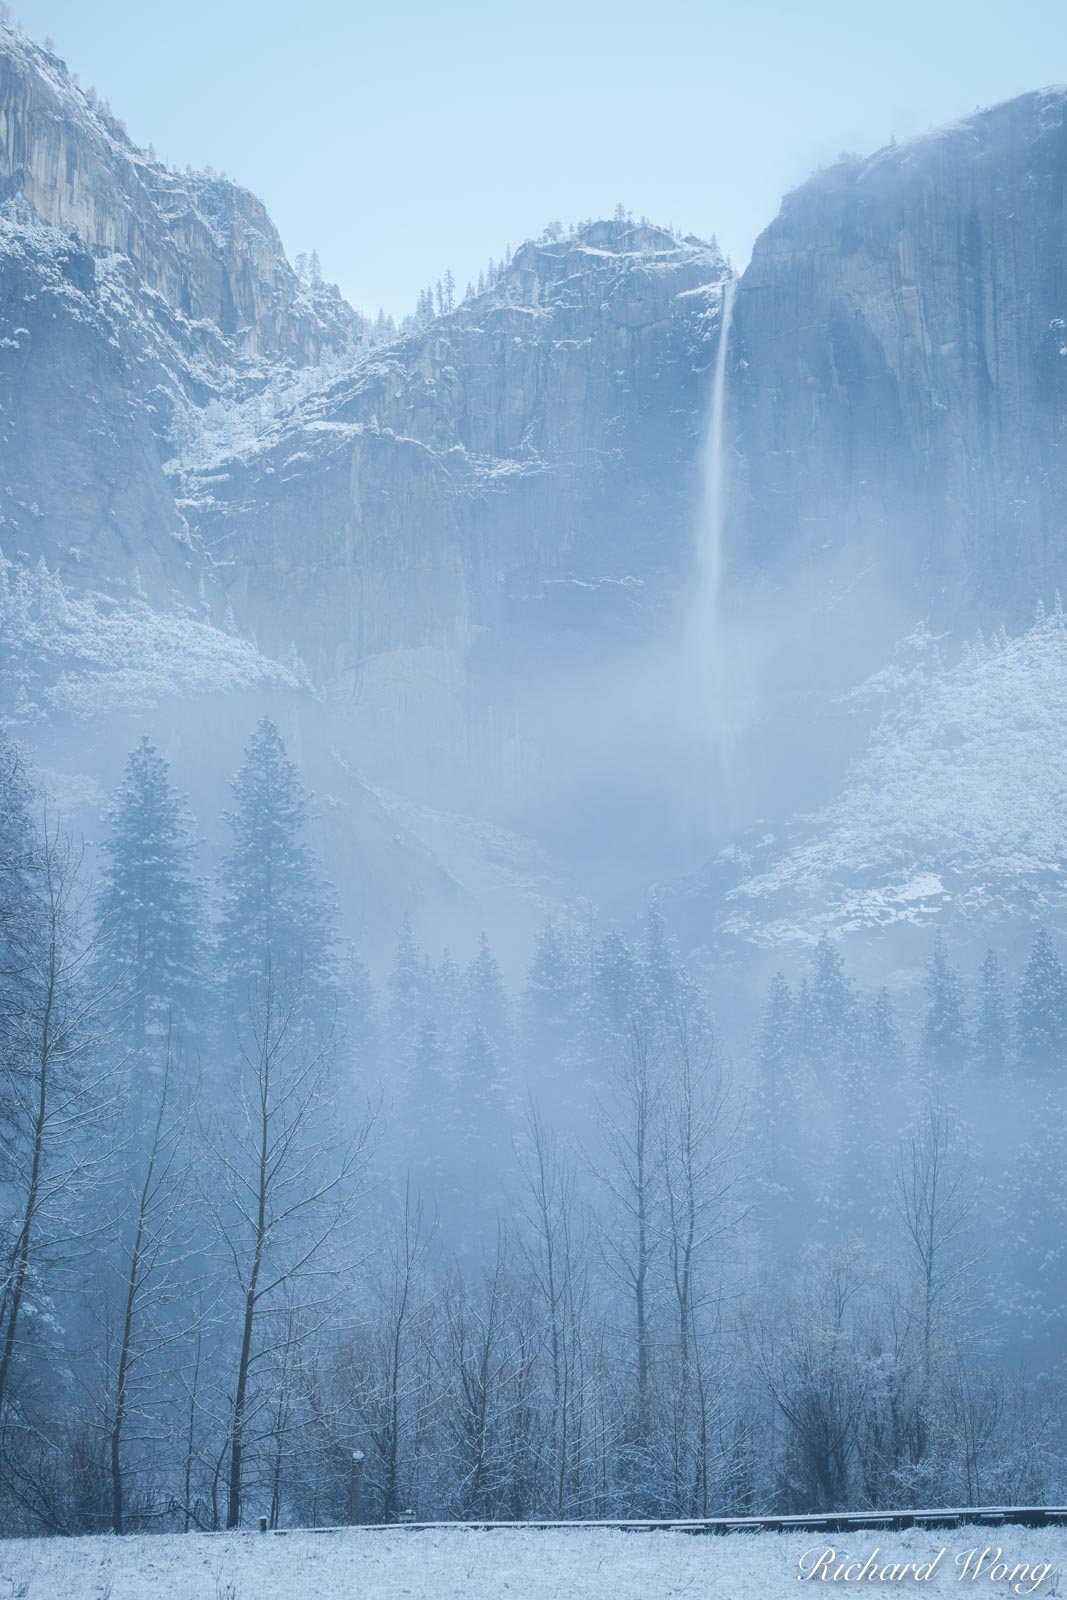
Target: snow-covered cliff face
131,299
425,523
497,495
205,245
432,545
215,490
902,409
951,815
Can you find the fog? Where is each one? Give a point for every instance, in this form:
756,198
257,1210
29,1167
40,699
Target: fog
530,860
579,1203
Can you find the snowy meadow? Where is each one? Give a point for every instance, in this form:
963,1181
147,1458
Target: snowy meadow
512,1564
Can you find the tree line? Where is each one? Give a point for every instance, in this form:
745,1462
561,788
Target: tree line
545,1254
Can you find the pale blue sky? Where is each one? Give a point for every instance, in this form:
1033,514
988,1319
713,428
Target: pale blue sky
399,140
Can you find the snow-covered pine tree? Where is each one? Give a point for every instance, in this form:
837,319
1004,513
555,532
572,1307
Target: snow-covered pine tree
17,860
275,909
664,980
486,999
943,1045
775,1045
448,988
1041,1010
778,1110
151,916
835,1085
831,1030
614,993
20,922
883,1039
483,1086
991,1023
410,1003
548,1008
362,1023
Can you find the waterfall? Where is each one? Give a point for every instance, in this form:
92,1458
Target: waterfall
708,668
709,548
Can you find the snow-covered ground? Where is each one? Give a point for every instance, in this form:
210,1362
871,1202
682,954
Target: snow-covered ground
515,1564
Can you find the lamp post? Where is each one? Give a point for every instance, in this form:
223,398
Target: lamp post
355,1489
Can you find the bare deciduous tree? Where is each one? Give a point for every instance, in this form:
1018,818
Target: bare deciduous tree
59,1086
631,1170
147,1275
290,1175
935,1203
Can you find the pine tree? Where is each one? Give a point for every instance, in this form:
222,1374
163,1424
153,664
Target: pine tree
991,1035
428,1136
486,1000
480,1125
408,988
832,1083
831,1027
362,1029
804,1037
17,856
448,987
18,898
614,995
664,981
885,1043
1041,1011
151,915
276,911
775,1043
943,1046
474,1075
784,1110
548,1007
881,1087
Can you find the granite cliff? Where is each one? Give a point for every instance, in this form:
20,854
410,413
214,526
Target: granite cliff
219,483
495,495
900,369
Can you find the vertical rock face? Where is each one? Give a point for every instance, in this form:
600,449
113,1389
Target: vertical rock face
81,479
901,367
507,495
203,244
505,491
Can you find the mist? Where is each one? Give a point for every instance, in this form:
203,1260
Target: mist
531,856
